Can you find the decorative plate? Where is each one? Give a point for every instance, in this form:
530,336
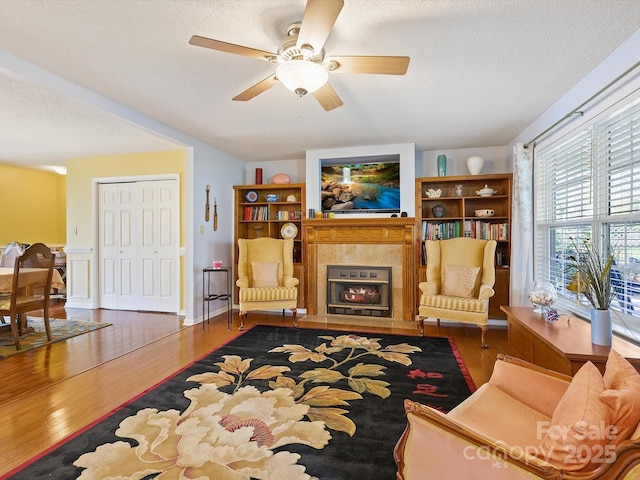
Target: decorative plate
251,196
289,230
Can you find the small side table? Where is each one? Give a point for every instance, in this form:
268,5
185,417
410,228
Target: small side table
208,296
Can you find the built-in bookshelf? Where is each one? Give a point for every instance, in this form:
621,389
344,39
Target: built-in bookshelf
450,207
263,211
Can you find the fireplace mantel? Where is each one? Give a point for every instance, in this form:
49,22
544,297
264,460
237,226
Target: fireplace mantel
372,233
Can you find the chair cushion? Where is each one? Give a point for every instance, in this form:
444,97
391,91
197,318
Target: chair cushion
454,303
622,396
268,294
575,437
460,281
264,274
496,415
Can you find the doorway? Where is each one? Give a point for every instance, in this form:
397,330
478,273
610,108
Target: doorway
138,245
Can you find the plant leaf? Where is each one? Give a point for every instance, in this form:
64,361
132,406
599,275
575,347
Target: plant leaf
394,357
234,364
221,379
324,395
323,375
403,348
333,419
266,372
367,370
376,387
286,382
299,353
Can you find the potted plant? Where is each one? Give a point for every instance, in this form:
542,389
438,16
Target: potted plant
591,277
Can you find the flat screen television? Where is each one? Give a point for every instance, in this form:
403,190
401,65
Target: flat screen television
360,185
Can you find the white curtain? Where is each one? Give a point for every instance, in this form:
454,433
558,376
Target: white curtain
522,226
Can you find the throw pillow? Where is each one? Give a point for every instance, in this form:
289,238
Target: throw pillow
618,370
574,437
622,396
460,281
264,274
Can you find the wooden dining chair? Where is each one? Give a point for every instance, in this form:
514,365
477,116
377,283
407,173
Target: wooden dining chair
30,288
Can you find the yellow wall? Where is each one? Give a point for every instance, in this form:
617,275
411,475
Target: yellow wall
81,172
33,206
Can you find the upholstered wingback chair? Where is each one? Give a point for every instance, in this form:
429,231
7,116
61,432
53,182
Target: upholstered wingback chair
460,278
265,276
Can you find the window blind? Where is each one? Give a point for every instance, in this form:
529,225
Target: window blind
588,188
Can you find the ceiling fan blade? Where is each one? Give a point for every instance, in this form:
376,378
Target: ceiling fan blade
257,89
230,48
327,97
381,65
317,22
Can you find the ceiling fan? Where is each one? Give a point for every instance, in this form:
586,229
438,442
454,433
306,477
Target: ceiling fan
302,65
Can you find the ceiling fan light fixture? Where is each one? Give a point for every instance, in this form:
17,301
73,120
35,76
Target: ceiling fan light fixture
302,76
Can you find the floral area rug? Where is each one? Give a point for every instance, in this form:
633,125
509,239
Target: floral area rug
60,330
276,403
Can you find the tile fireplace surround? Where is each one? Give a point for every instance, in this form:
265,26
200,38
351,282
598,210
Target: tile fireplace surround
361,241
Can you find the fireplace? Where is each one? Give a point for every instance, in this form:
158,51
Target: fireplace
359,290
361,241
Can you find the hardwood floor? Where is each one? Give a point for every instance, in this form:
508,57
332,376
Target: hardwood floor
49,393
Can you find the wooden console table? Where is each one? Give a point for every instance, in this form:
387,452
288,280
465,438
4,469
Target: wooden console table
562,346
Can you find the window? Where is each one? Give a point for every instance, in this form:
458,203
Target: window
588,187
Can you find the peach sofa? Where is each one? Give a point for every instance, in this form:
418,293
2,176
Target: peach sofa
529,422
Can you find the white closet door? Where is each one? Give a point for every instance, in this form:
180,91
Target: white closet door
117,207
158,246
139,255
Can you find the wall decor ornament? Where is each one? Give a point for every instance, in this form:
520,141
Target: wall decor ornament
475,164
442,165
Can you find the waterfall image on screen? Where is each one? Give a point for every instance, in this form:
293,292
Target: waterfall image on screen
360,187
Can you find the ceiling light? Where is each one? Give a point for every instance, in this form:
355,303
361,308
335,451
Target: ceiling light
302,76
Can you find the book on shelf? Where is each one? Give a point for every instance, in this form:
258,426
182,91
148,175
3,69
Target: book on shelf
472,228
289,215
486,230
440,230
255,213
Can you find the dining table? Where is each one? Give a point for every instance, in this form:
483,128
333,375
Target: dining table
6,282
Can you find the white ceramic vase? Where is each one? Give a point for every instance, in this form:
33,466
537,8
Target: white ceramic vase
601,327
475,164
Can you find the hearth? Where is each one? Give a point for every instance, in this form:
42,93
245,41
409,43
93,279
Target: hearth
359,290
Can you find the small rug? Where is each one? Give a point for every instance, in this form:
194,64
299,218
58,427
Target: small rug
275,403
60,330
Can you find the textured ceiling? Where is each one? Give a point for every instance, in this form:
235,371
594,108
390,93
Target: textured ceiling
480,72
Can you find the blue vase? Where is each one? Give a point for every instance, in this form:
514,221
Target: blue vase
442,165
438,211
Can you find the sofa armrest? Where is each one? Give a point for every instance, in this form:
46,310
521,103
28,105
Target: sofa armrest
429,287
433,446
535,386
486,292
243,282
291,282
